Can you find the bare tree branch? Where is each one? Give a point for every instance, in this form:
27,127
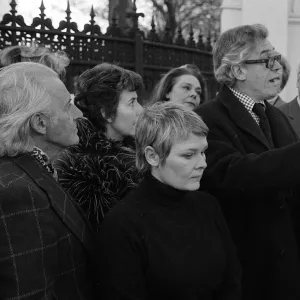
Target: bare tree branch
202,14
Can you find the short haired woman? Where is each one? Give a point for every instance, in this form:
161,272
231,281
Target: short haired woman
167,240
101,169
183,85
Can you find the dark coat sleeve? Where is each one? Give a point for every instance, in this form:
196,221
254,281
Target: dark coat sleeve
122,259
229,168
230,288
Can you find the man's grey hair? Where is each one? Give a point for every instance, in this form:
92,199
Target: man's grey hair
160,126
22,95
233,47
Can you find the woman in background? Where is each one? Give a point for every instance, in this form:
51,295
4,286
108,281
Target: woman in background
57,61
184,85
100,171
167,240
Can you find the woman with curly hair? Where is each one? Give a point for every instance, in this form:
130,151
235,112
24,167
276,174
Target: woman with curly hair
101,169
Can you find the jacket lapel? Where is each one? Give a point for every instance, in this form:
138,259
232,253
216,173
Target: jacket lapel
67,210
282,132
294,109
241,117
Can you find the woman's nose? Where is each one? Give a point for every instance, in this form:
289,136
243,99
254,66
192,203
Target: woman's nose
193,93
201,164
139,109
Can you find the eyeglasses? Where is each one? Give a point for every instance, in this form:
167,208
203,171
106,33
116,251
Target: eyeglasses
270,62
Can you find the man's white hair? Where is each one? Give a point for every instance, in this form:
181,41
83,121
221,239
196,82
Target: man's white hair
22,95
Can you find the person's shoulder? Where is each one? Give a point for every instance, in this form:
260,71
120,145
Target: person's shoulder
212,111
126,210
10,173
282,112
285,107
212,104
15,183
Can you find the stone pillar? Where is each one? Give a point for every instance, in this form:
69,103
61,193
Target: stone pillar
231,15
119,8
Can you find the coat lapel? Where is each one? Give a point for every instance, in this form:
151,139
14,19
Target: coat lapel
278,102
294,109
241,117
282,132
66,209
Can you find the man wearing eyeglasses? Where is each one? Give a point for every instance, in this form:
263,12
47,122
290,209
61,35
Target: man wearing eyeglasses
252,162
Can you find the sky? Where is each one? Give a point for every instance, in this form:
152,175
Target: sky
55,10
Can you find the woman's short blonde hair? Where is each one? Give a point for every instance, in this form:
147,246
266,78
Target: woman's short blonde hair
160,125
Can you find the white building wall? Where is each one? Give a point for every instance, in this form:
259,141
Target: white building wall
231,14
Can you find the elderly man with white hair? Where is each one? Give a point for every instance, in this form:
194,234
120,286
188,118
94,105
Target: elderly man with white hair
46,245
253,166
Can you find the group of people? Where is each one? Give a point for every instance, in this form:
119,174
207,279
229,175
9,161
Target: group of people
184,198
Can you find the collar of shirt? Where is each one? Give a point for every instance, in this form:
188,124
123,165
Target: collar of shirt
43,159
248,103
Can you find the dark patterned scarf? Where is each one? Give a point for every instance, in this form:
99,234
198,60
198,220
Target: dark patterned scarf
43,159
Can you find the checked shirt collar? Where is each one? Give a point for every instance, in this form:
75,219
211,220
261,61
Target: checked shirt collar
248,103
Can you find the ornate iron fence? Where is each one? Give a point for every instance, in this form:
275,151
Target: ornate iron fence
148,55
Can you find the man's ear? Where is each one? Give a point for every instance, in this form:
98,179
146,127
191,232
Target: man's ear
109,120
38,123
151,156
239,72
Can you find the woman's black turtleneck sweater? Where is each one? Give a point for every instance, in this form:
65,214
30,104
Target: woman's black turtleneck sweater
163,243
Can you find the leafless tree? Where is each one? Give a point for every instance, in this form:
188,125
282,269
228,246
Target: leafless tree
202,15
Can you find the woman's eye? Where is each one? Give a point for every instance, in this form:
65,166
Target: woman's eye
188,156
185,87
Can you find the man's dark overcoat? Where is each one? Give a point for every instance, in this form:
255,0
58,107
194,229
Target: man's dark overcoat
253,185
